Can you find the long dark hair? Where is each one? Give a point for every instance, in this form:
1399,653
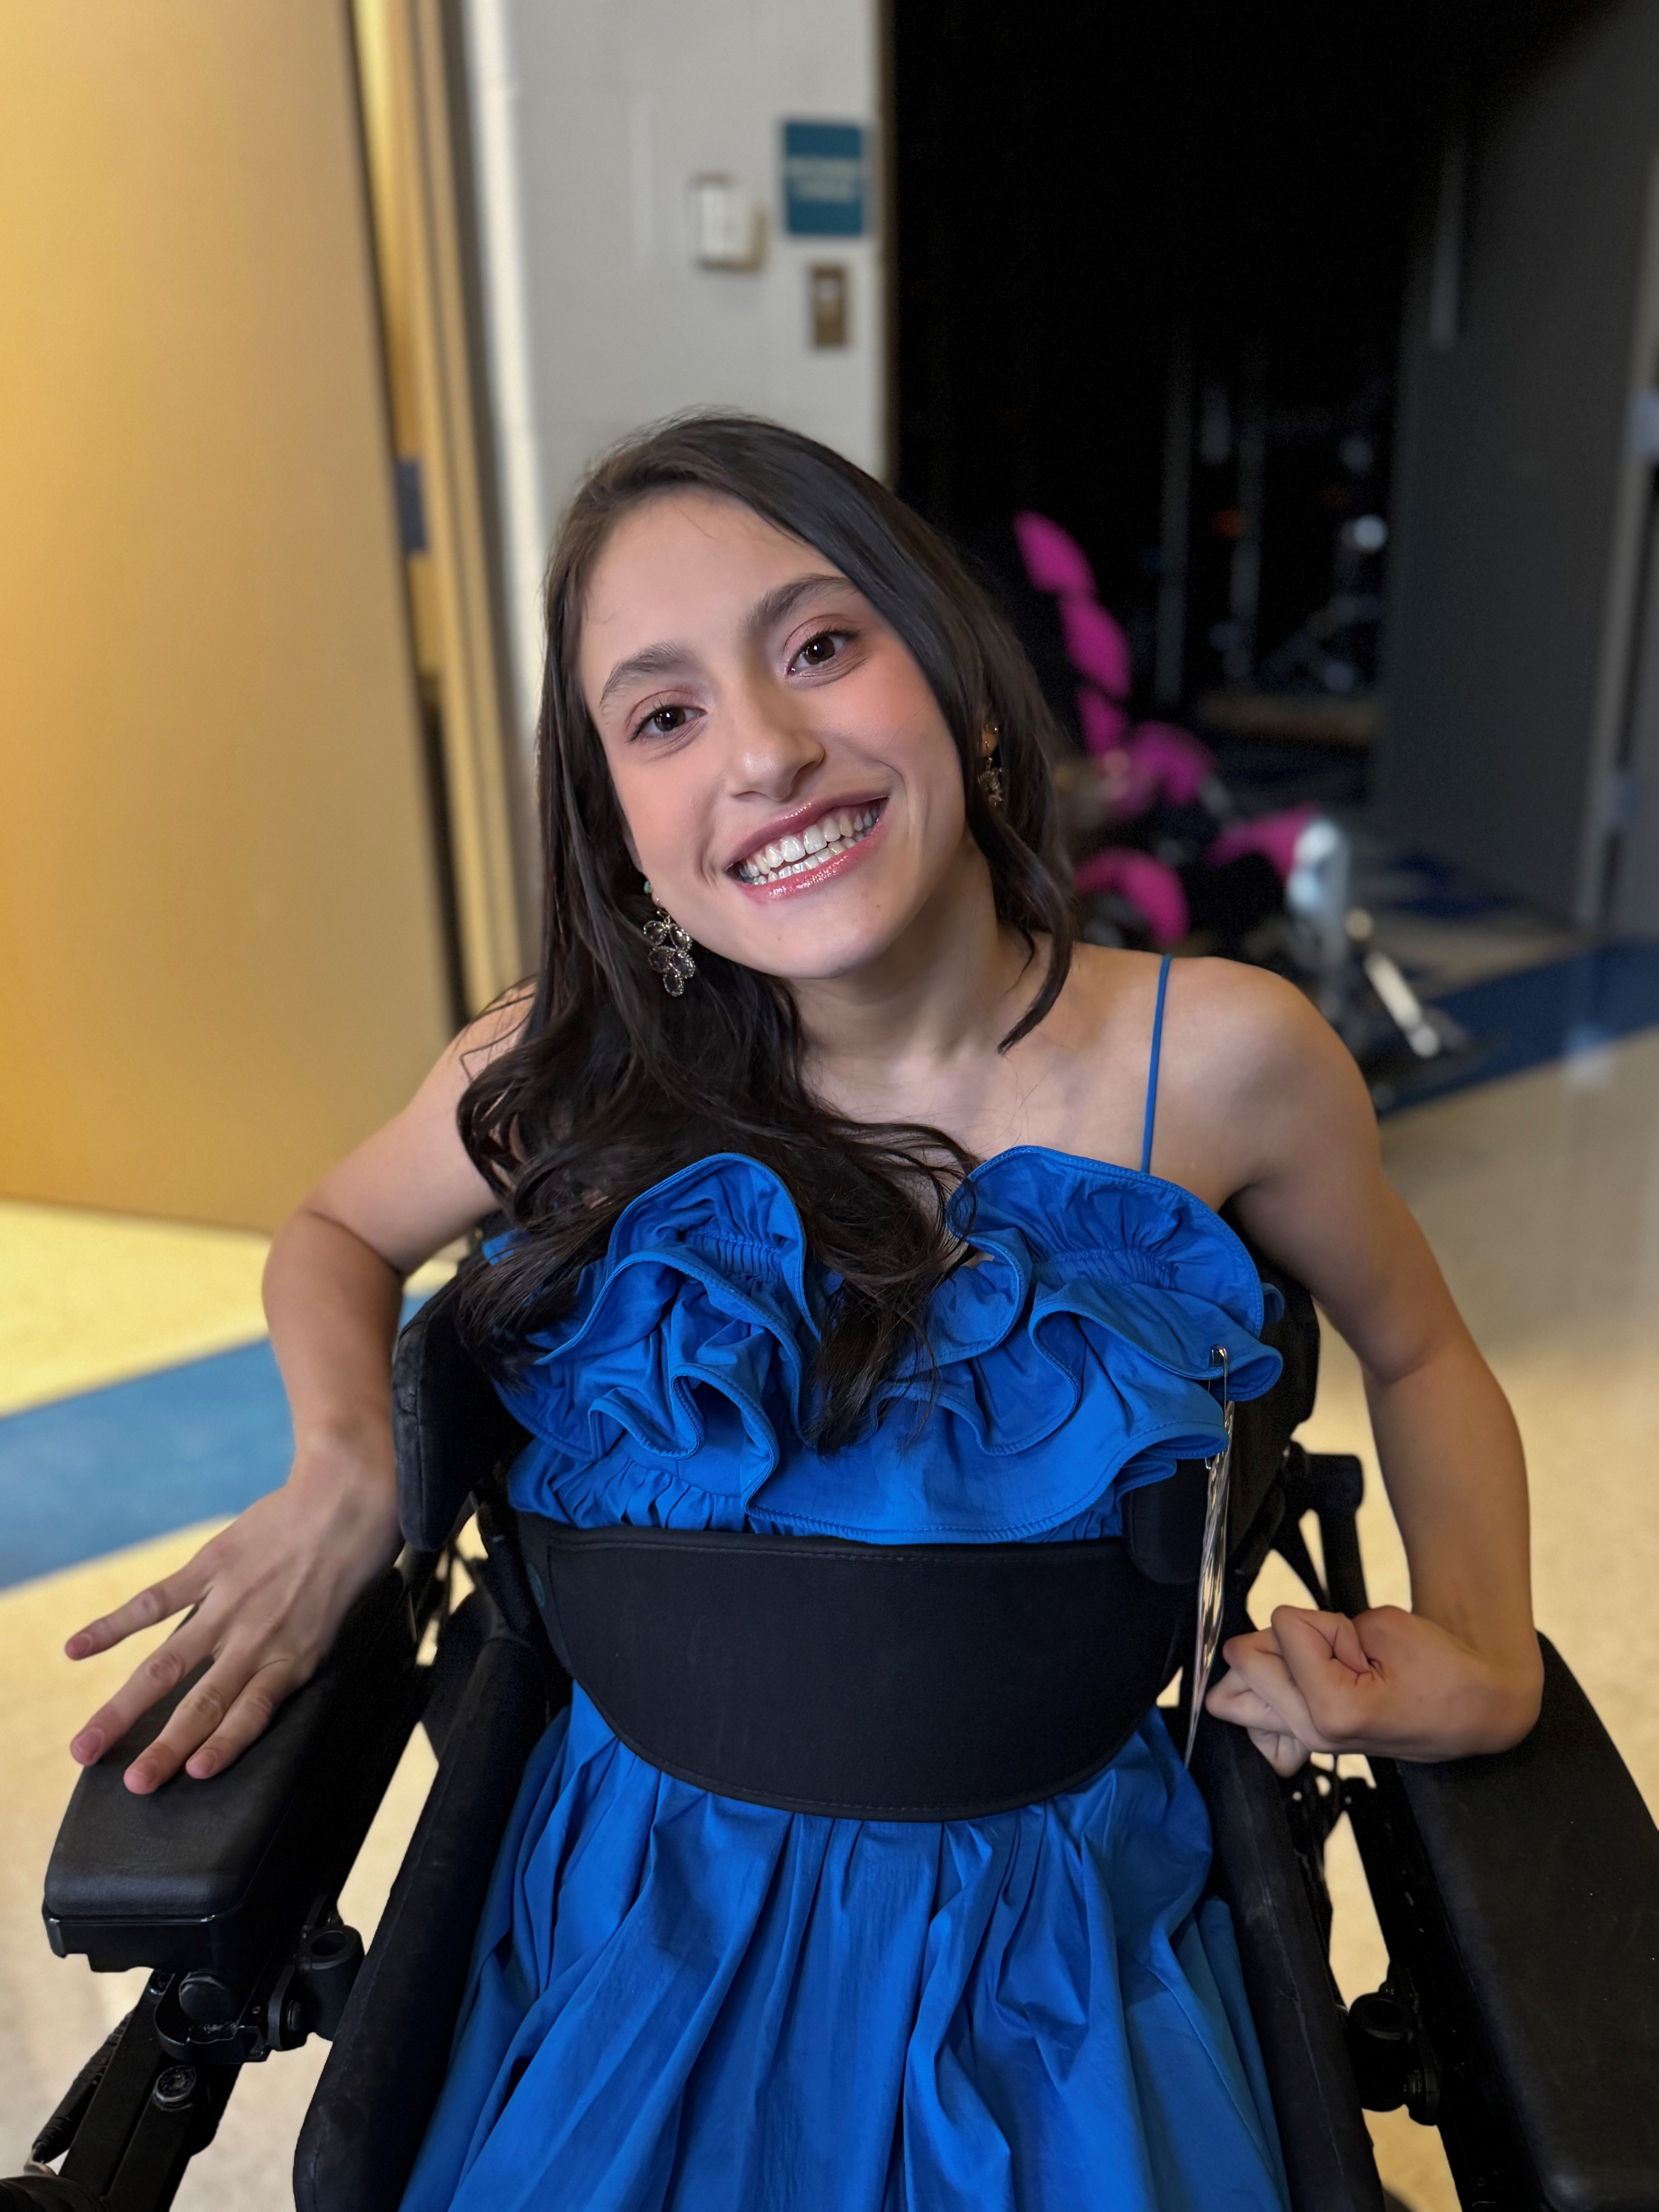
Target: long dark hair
612,1084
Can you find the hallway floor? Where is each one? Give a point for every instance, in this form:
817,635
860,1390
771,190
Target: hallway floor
1540,1192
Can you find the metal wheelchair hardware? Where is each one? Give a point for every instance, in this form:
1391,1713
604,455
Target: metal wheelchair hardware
1394,2063
1213,1562
174,2088
207,1999
309,1996
328,1966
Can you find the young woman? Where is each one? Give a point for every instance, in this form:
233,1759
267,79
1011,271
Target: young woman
848,1196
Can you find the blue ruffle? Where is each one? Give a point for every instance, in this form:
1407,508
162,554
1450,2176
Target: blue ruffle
1074,1359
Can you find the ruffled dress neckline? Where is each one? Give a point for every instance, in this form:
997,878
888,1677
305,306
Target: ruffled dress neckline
1075,1361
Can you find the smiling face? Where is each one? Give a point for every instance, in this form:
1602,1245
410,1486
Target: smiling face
791,789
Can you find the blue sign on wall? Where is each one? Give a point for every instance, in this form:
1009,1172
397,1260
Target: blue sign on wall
824,183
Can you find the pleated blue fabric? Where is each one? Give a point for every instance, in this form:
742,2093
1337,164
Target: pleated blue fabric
680,2002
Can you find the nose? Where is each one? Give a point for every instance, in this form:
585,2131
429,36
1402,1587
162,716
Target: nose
771,747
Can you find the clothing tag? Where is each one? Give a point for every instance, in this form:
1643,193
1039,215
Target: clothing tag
1213,1567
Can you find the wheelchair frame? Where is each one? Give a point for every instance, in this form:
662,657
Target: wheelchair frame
1518,1895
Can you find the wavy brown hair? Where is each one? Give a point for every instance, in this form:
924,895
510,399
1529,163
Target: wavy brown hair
611,1084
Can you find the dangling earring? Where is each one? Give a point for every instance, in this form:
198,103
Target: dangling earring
671,949
990,767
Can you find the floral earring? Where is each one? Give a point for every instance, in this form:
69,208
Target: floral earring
990,766
670,948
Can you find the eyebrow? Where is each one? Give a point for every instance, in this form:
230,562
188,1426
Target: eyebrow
769,610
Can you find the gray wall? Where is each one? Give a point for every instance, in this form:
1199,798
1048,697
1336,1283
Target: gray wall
1518,501
590,119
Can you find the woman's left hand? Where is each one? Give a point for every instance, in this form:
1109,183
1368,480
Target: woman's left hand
1389,1682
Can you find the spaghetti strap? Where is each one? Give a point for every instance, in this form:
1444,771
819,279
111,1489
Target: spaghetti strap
1152,1072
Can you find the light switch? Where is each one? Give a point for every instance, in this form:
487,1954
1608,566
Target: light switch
727,227
827,290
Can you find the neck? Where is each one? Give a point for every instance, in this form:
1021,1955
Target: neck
943,994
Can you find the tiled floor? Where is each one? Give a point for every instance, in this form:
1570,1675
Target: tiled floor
1541,1194
90,1298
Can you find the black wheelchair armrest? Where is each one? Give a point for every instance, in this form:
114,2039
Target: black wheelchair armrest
392,2049
1521,1892
209,1877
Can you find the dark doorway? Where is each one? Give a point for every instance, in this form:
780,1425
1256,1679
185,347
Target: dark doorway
1152,263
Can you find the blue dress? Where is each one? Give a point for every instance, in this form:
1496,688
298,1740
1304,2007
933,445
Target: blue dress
681,2003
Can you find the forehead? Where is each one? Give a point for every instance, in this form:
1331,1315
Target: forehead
677,561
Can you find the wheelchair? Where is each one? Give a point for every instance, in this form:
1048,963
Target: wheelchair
1518,1894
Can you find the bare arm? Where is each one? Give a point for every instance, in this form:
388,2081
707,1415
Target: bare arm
269,1592
1460,1672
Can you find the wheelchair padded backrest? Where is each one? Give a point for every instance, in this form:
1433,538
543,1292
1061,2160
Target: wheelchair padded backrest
451,1429
1263,1426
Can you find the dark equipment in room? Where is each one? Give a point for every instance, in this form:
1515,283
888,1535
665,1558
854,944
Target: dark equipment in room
1519,1895
1332,334
1157,295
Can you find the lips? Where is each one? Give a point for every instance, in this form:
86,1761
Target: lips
803,852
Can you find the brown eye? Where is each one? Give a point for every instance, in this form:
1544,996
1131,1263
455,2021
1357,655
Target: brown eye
662,722
819,651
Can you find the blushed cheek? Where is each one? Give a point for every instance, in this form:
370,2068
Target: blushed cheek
662,831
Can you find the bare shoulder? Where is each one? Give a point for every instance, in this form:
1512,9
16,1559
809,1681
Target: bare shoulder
1253,1079
1107,994
1247,1022
1250,1025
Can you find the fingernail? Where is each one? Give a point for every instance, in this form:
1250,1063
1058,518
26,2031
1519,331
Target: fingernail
85,1748
77,1648
137,1779
204,1764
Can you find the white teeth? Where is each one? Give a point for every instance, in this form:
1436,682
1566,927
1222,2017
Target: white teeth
818,842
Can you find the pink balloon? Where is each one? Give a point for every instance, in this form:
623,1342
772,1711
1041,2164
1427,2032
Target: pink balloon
1179,764
1146,883
1053,560
1097,647
1101,719
1272,835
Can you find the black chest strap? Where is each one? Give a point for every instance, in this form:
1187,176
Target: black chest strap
886,1682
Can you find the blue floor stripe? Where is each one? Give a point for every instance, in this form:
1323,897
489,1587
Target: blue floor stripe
1540,1014
87,1474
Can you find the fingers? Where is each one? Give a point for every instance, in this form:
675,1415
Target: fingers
1321,1646
1389,1682
149,1607
1259,1663
1233,1700
232,1703
162,1672
248,1718
1285,1754
1342,1690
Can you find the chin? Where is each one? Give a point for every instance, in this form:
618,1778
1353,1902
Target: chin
810,949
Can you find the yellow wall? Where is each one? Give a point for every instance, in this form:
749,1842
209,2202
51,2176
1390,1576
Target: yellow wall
221,957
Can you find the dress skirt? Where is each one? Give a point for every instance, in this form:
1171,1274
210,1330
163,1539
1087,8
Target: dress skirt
738,2009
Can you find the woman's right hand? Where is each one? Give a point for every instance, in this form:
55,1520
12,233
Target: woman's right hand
266,1597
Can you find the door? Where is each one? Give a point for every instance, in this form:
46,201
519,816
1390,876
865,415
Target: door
223,939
